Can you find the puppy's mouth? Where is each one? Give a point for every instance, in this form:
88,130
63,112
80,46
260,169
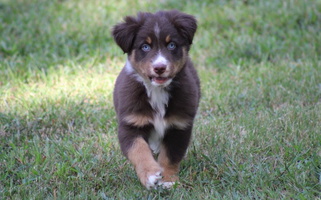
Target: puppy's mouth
160,80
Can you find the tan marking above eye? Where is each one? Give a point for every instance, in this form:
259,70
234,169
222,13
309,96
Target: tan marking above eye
168,39
149,40
138,120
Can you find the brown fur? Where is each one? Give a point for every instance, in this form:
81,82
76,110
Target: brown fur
170,173
141,157
149,40
137,120
157,93
168,38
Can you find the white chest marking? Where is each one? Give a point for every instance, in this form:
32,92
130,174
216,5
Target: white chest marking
158,100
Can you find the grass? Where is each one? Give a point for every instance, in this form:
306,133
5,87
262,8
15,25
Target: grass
257,134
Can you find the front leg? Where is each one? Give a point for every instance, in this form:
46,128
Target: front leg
136,149
172,152
148,170
170,170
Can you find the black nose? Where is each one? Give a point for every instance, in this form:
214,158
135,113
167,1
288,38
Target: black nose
159,69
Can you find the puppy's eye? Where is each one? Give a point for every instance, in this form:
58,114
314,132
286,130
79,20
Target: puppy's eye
146,47
171,46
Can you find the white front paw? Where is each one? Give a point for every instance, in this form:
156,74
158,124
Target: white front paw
153,180
166,185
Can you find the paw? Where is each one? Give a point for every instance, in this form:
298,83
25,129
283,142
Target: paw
166,185
153,180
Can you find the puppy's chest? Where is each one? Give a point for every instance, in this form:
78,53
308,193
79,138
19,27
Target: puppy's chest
158,99
161,117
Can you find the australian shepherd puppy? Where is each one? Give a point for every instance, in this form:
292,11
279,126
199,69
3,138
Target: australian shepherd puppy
156,94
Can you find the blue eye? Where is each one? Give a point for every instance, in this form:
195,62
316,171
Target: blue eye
146,47
171,46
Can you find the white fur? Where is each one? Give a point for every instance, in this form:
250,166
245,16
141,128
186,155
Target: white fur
153,180
154,141
157,135
129,68
166,185
158,99
160,59
167,83
131,71
156,30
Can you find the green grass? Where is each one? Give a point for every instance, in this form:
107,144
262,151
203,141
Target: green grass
257,134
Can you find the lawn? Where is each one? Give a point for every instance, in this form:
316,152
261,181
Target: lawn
257,134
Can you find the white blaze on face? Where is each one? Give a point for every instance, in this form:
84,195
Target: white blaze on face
156,30
160,59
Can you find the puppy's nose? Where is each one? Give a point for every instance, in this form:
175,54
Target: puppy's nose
159,68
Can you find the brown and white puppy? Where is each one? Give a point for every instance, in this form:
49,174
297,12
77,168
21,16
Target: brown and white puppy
156,94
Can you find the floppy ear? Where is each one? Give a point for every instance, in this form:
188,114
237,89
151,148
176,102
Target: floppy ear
124,33
186,24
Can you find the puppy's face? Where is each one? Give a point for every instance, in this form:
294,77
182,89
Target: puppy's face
157,44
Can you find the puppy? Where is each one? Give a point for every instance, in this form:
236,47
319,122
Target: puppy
156,94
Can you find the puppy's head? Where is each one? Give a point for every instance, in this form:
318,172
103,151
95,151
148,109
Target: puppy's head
157,44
